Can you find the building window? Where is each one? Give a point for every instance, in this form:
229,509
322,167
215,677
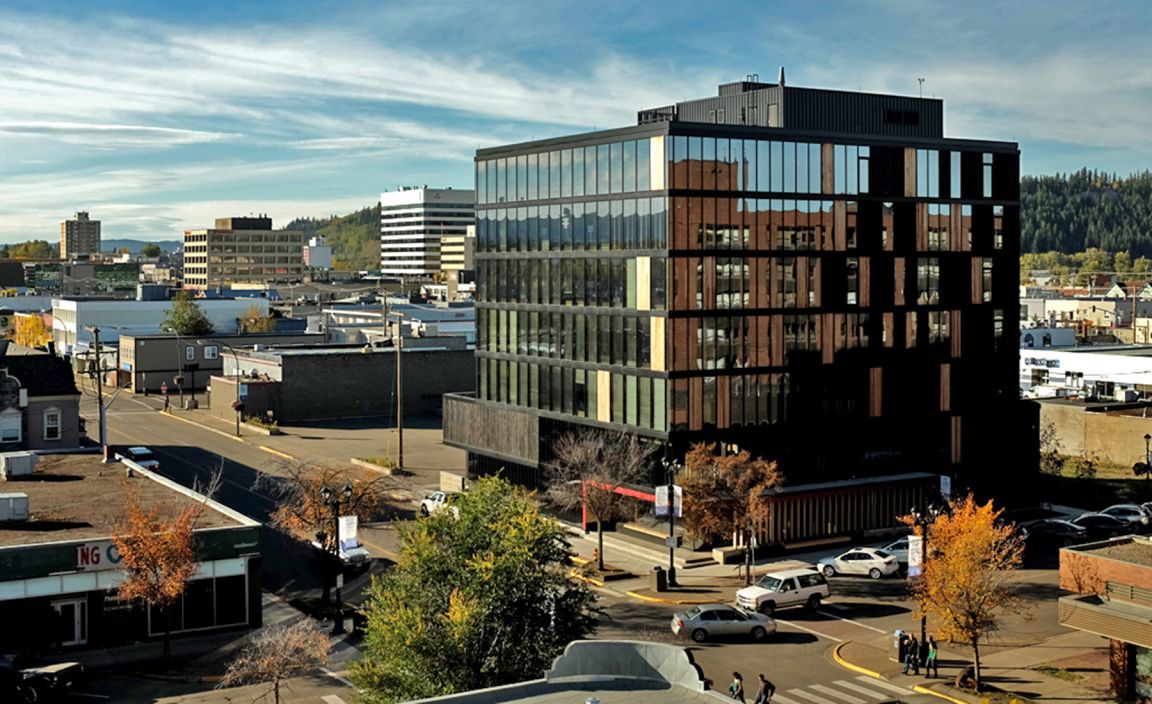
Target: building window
211,352
10,426
52,424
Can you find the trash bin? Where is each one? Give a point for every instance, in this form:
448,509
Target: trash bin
658,579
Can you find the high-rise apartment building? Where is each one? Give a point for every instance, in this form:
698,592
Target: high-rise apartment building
242,251
816,276
79,236
413,221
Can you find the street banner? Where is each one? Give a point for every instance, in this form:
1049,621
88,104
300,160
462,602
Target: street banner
946,486
662,501
915,552
347,534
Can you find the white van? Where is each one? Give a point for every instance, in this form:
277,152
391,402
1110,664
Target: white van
798,587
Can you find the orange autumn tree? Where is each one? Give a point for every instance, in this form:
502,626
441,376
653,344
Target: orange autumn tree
964,584
30,331
727,495
157,553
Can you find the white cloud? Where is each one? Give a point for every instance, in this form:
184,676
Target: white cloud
111,135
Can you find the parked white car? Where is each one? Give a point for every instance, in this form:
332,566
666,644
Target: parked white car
356,555
898,549
1137,517
870,561
798,587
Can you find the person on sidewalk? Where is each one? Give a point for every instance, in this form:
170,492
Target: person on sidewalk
932,665
911,656
737,687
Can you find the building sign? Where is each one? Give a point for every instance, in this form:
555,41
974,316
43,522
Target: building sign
102,555
1042,362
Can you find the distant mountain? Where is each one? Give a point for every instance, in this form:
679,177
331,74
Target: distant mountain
134,246
355,238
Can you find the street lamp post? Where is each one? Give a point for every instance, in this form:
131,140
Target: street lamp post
671,468
399,390
180,356
333,500
923,520
238,405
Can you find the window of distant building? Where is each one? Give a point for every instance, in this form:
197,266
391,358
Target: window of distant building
52,424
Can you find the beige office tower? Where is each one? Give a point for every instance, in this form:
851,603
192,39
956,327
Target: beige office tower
79,236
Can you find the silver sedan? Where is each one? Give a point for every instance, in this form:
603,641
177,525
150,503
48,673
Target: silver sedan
709,620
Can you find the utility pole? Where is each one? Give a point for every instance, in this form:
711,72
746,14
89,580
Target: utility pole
399,392
97,372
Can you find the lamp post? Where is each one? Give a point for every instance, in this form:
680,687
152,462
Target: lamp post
180,356
923,520
238,404
399,390
671,468
1145,467
333,500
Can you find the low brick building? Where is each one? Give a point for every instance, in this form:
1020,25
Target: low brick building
1111,583
59,569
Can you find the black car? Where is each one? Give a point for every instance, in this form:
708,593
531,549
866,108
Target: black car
1052,533
22,682
1102,527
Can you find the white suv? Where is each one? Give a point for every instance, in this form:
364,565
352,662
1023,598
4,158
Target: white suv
798,587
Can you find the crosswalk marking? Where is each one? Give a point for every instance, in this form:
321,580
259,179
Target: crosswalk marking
838,695
882,684
805,695
862,690
781,699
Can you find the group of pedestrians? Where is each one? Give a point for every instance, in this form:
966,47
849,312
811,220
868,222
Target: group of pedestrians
764,691
915,655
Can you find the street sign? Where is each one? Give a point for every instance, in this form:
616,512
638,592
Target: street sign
164,388
243,392
672,541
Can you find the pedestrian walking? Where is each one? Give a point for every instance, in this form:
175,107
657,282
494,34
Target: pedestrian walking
165,404
736,689
932,665
765,691
911,657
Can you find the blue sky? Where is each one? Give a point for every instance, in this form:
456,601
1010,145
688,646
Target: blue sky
161,116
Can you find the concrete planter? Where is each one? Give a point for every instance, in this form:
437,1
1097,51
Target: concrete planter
357,462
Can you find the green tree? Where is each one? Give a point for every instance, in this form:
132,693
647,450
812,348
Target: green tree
33,249
1122,263
255,321
185,317
480,597
151,250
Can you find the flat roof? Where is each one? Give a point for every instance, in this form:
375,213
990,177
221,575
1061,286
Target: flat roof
1133,549
77,497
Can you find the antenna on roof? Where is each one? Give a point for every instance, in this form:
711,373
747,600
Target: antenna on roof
921,81
781,81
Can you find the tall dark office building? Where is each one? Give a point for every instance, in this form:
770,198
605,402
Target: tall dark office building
815,276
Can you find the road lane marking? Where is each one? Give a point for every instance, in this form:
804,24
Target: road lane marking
863,690
332,699
276,452
849,620
883,685
781,699
838,695
810,630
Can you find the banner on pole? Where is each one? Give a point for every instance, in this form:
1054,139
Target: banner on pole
347,533
915,552
662,500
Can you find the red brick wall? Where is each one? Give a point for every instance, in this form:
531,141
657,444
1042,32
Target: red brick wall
1121,662
1086,573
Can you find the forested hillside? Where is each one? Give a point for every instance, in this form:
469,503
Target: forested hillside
355,238
1088,209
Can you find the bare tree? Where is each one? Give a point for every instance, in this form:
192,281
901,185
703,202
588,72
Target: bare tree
276,654
726,495
589,469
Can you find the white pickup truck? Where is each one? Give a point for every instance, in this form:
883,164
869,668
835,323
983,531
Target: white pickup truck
437,501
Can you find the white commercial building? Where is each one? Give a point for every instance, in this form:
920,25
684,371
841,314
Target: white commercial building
1121,373
71,317
414,220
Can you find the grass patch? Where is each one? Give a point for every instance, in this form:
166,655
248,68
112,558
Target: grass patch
1058,673
380,461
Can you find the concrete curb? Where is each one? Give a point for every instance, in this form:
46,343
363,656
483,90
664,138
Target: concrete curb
665,600
583,578
855,668
918,688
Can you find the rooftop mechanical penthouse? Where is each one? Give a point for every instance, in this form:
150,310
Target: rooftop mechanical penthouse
817,276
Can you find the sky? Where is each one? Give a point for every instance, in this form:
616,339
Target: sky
161,116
